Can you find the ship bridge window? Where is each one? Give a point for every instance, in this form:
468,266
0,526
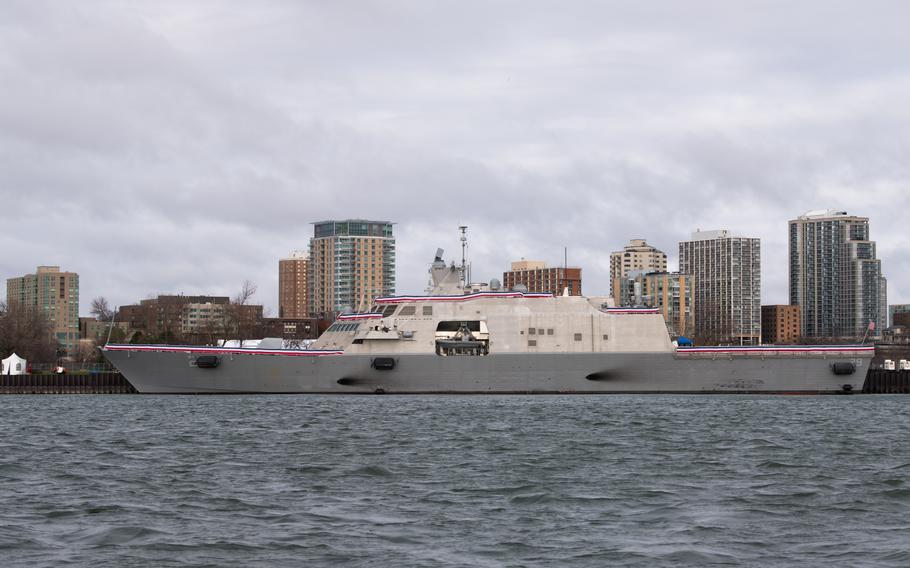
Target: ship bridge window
388,310
428,310
577,337
408,311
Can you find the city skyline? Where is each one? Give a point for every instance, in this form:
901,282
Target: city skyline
272,301
185,147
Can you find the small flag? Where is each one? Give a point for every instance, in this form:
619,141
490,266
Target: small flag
871,325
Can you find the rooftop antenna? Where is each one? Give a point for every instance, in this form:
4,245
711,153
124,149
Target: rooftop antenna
464,246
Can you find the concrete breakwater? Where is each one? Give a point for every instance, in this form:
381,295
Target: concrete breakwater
88,383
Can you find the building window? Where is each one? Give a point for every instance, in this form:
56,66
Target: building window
532,331
532,343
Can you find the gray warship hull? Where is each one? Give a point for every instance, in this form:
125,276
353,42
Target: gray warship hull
175,372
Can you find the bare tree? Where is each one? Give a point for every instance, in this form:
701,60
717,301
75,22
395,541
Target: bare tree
26,332
209,331
101,309
247,291
239,321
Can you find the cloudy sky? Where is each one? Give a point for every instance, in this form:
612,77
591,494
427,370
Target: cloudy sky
186,146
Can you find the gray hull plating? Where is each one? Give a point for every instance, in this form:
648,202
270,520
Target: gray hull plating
162,372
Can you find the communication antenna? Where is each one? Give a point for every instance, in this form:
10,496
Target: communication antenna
464,246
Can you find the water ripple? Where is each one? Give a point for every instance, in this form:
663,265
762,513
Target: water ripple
454,481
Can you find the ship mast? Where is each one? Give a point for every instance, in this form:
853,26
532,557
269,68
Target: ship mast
464,245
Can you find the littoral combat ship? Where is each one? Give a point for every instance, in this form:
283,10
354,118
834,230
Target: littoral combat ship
482,339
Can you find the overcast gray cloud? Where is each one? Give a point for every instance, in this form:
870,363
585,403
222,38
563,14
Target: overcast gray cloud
186,146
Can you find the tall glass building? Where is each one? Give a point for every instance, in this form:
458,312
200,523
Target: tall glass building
351,263
835,278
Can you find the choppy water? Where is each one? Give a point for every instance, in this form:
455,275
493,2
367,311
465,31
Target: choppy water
454,481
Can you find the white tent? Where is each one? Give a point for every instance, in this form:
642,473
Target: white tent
14,365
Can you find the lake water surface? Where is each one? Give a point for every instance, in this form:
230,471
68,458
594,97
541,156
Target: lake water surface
454,481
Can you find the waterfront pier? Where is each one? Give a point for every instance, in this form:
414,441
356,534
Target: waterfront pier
89,383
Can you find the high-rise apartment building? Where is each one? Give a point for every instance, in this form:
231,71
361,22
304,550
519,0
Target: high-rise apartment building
835,278
293,298
727,284
638,255
54,294
779,324
538,277
351,263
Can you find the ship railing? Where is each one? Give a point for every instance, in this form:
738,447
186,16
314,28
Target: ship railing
768,352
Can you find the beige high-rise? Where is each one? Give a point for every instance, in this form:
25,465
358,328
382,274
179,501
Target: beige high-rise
293,279
54,294
638,255
352,262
